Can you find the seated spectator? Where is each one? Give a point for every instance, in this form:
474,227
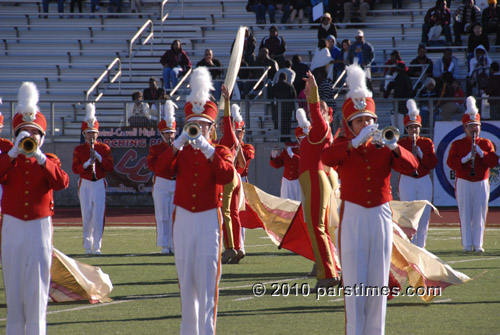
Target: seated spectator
335,53
283,91
60,6
138,112
395,58
276,46
298,7
464,18
476,38
342,60
355,6
175,64
491,20
259,7
300,68
322,57
447,108
477,78
493,91
448,63
210,62
153,93
325,86
248,47
264,60
245,79
287,69
430,91
401,84
327,27
421,59
439,15
459,94
363,53
284,6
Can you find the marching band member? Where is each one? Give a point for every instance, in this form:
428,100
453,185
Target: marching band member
164,182
28,177
315,185
5,146
365,230
201,171
289,159
417,185
232,225
471,157
92,160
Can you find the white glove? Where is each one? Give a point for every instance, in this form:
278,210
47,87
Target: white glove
364,135
479,151
420,154
98,156
14,152
274,153
181,140
202,144
393,146
87,163
40,156
467,158
289,151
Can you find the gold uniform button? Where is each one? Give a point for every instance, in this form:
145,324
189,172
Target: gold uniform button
194,195
27,183
26,204
196,175
27,172
194,184
368,202
368,167
195,163
368,190
368,179
27,161
196,152
26,192
365,151
25,216
193,208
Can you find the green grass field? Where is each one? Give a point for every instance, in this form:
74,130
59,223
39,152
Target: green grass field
146,297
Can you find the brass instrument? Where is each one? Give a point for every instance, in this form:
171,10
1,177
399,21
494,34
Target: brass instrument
388,135
473,154
192,130
92,156
414,151
28,146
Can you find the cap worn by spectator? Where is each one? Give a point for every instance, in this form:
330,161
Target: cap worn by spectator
331,37
327,15
360,33
273,28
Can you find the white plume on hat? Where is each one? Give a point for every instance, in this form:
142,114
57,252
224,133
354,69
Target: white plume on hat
27,98
90,115
170,107
201,85
471,107
235,113
356,80
413,111
301,117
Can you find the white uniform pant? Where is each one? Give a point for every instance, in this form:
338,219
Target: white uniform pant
365,256
92,196
26,260
198,242
472,199
411,189
163,197
290,189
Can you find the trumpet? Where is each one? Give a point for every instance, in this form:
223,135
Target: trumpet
92,155
473,154
192,130
388,135
28,146
414,151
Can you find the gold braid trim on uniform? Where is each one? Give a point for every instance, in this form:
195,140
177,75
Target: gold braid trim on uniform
313,96
227,107
324,137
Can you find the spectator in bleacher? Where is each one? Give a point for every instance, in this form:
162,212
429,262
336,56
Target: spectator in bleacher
322,58
394,59
342,60
248,47
493,91
60,6
152,93
421,59
491,20
335,53
447,63
259,7
283,91
439,15
401,84
300,68
287,69
327,27
284,6
264,60
175,64
464,18
136,6
354,6
298,7
245,79
477,37
138,112
72,6
325,86
477,78
209,61
94,5
115,6
363,53
430,90
276,45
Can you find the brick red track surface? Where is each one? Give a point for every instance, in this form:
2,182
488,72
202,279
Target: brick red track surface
145,216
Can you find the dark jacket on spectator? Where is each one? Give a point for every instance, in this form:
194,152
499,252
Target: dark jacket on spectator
171,59
215,73
413,70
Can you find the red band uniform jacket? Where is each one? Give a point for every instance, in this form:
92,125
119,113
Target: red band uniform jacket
290,164
461,148
429,158
154,152
81,154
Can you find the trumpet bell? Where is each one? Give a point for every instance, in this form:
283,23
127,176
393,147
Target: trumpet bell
390,135
28,146
192,130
